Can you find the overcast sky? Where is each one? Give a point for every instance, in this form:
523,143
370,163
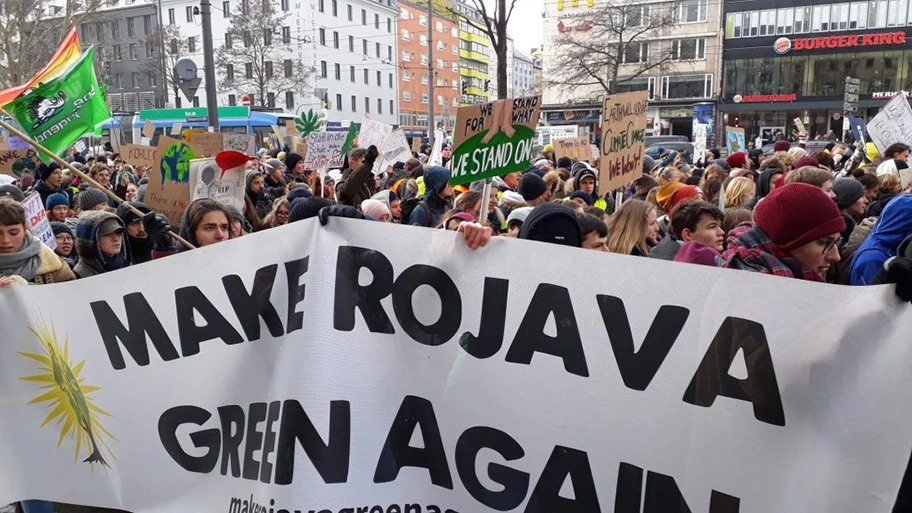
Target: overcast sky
526,25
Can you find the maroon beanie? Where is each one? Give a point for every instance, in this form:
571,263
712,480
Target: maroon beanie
736,159
797,213
806,161
782,146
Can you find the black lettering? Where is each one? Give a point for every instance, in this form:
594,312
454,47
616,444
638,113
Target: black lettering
759,388
294,270
629,488
639,367
515,483
250,307
269,442
663,496
232,419
563,463
450,304
530,337
350,295
254,440
329,459
393,508
208,438
188,300
143,325
493,318
396,453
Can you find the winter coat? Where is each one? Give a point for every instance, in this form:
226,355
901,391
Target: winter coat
666,249
893,225
435,181
750,249
53,269
355,185
91,260
44,190
843,268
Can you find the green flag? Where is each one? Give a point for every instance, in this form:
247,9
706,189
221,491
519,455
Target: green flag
350,140
59,112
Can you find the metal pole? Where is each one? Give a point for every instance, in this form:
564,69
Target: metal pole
161,55
211,99
430,42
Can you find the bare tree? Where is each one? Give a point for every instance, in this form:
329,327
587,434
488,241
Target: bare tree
256,58
172,47
496,29
611,45
30,31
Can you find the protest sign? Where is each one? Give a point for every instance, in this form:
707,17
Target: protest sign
416,144
148,129
858,127
493,139
168,191
425,384
80,146
37,220
699,142
186,135
207,180
396,148
374,133
735,140
436,156
209,144
277,132
244,143
4,140
800,126
176,128
290,127
576,148
623,139
324,149
139,155
17,143
891,125
16,162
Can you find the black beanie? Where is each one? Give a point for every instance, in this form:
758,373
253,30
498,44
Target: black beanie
128,216
45,170
58,228
554,223
307,208
291,160
531,186
847,191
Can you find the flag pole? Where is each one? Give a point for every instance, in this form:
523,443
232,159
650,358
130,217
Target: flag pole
82,176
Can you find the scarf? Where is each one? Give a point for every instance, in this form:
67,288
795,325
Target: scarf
23,263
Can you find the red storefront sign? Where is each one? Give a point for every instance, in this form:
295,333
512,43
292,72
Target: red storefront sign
848,41
754,98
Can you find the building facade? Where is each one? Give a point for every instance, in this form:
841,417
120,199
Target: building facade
787,60
415,70
475,51
523,74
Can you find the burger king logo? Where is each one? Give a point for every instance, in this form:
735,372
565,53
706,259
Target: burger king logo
737,98
782,45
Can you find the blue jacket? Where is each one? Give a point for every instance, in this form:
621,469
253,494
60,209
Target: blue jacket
435,180
893,225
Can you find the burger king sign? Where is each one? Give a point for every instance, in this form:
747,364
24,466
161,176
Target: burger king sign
782,45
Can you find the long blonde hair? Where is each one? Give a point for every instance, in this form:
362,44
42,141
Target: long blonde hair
739,192
271,219
628,228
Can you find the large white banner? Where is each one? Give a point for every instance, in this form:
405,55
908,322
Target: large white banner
377,368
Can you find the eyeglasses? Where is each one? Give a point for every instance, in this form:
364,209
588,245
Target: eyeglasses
828,244
63,238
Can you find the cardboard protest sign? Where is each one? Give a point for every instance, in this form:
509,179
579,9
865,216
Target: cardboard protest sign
493,139
277,132
17,143
209,144
186,135
699,142
576,148
16,162
168,191
623,139
552,399
139,155
893,124
324,149
374,133
416,144
290,127
244,143
148,129
37,220
735,140
176,128
207,180
4,140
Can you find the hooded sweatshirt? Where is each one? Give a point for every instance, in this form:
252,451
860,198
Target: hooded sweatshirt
91,260
140,249
893,225
900,169
435,181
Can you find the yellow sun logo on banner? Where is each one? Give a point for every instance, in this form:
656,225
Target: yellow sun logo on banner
69,396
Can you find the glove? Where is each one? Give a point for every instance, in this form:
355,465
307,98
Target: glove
372,155
156,224
899,271
339,211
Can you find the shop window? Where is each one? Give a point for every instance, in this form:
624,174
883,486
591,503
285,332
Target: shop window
686,86
821,18
768,23
752,23
733,25
840,17
858,15
802,20
877,14
897,12
784,21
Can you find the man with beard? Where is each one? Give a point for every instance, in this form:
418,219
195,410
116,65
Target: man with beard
144,233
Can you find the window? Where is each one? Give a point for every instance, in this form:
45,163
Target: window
424,98
131,27
351,70
226,13
441,45
244,7
289,100
284,5
289,71
363,17
377,49
389,54
228,40
133,53
354,103
406,96
877,14
323,36
389,25
858,15
424,79
406,36
423,39
147,24
338,102
115,29
897,10
640,83
338,72
380,106
366,77
335,6
191,44
455,67
376,21
638,52
733,25
248,72
406,55
135,79
455,84
439,63
349,8
424,59
391,80
406,76
364,46
267,37
286,35
270,100
189,15
785,20
692,11
392,110
802,20
439,26
118,79
268,69
422,20
247,41
351,43
454,49
767,23
99,31
454,32
119,57
688,49
379,78
320,6
171,20
821,21
323,69
686,86
335,39
232,100
635,16
150,50
367,104
229,71
174,44
196,101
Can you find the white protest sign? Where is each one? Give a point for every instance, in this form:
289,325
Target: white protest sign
892,125
395,149
436,156
207,180
228,378
244,143
699,142
324,149
37,220
80,146
800,125
374,133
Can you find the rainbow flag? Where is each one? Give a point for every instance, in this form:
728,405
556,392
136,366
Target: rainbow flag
66,55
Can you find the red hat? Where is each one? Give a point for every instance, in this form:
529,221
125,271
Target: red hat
806,161
736,159
782,146
681,195
797,213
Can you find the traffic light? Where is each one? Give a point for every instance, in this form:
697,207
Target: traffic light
487,85
465,87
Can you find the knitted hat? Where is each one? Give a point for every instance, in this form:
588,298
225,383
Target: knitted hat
847,191
91,198
649,163
797,213
58,228
518,215
554,223
643,185
375,208
512,197
723,163
564,162
737,159
663,197
274,163
298,193
683,194
584,195
57,199
669,158
12,192
45,170
291,160
531,186
806,161
307,208
782,146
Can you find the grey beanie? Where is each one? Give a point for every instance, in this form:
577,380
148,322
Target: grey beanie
90,198
847,191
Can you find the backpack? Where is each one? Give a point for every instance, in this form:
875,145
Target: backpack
408,206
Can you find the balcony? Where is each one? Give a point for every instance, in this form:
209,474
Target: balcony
475,56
